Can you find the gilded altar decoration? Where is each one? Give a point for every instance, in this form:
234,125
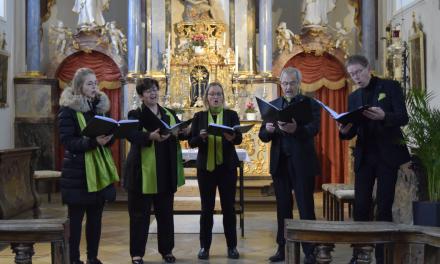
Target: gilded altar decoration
200,57
393,53
257,150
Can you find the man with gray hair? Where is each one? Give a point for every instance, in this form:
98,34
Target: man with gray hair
293,160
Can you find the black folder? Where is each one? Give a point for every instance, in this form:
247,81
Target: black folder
166,129
101,125
218,130
301,111
151,122
356,116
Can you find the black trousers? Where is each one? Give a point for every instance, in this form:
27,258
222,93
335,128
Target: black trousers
374,169
93,229
139,206
284,181
226,180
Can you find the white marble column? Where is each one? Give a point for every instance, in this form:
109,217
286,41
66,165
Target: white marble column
265,36
369,31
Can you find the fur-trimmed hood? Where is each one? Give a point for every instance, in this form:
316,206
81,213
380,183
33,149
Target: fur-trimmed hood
80,102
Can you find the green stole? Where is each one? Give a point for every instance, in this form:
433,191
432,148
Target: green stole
100,167
148,164
215,144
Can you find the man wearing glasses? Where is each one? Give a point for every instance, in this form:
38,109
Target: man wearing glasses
293,161
379,149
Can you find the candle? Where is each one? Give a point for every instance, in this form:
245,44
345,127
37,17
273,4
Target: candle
148,59
169,40
264,58
168,60
136,59
224,39
236,58
251,68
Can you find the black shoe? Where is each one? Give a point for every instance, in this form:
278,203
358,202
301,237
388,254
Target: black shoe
204,253
76,262
137,261
353,260
233,253
169,258
279,255
94,261
310,259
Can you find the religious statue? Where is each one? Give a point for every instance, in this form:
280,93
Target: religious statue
341,35
118,39
61,33
315,12
284,37
90,12
203,10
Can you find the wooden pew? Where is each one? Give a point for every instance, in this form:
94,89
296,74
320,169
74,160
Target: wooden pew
19,212
363,235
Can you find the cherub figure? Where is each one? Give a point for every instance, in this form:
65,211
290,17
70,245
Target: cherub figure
341,35
62,34
118,39
284,37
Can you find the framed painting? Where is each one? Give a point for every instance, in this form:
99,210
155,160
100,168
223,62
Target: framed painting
4,56
417,58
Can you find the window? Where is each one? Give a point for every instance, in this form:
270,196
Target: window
399,4
2,9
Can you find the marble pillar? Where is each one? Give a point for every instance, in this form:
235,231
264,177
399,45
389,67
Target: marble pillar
33,37
265,36
245,34
134,37
369,31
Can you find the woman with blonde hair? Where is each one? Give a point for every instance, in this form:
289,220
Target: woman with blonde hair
88,171
217,163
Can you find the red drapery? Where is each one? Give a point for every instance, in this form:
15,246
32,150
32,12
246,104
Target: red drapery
108,75
325,76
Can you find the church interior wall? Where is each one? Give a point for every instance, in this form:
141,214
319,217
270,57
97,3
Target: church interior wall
428,13
7,113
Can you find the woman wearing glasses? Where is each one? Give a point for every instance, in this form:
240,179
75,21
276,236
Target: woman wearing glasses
217,163
153,172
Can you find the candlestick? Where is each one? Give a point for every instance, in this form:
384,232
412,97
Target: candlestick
264,58
251,68
136,59
148,59
236,58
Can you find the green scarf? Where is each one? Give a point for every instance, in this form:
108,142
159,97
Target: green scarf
100,167
148,164
215,145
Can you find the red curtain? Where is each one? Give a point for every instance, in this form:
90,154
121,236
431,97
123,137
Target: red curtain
325,77
108,75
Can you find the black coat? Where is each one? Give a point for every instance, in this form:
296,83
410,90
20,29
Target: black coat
300,144
387,134
73,181
200,121
132,178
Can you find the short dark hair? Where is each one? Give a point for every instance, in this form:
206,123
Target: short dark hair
357,59
146,84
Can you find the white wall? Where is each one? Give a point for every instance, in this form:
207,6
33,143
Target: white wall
428,13
7,113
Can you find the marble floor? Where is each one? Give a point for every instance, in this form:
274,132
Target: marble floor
257,245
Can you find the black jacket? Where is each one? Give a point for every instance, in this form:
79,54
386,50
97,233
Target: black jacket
200,121
386,134
300,145
132,178
73,181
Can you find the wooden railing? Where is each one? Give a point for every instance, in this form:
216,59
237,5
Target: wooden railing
363,236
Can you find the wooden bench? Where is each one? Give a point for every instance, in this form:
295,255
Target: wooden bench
342,197
19,209
363,236
50,178
329,202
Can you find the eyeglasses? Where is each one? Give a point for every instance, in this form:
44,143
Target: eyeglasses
291,83
356,73
215,94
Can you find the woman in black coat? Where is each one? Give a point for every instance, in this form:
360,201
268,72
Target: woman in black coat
79,103
217,163
153,171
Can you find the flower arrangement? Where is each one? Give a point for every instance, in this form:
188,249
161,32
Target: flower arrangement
177,107
250,108
198,40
